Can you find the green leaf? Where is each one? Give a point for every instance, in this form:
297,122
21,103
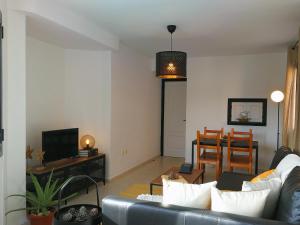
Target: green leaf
53,203
54,189
32,198
46,190
41,199
38,188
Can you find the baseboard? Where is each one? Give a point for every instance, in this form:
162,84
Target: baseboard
133,168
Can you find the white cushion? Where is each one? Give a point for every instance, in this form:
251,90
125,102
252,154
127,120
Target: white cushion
286,165
188,195
247,203
274,185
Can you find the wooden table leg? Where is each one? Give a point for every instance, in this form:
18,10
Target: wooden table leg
193,149
256,161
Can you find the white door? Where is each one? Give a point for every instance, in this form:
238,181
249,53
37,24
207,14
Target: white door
174,118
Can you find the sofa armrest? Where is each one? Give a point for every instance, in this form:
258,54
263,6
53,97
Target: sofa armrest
121,211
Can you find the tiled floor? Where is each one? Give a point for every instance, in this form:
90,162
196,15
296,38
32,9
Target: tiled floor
143,174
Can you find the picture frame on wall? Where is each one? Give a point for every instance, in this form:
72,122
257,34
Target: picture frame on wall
247,111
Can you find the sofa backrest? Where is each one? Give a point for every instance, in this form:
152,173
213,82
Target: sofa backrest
279,155
121,211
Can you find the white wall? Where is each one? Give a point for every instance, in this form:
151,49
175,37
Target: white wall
65,89
135,111
212,80
87,94
12,164
113,96
4,100
15,113
45,81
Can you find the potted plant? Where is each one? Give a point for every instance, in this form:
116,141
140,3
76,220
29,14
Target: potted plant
40,203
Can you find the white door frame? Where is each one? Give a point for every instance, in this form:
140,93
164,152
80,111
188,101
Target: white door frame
162,126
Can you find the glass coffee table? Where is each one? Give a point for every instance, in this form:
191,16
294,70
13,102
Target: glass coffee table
191,178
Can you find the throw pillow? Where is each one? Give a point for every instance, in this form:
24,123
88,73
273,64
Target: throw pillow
286,165
188,195
269,174
275,187
246,203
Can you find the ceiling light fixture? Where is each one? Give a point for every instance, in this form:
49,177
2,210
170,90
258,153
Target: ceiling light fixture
171,64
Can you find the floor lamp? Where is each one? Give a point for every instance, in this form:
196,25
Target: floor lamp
277,96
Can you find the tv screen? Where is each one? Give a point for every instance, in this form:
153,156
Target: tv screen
59,144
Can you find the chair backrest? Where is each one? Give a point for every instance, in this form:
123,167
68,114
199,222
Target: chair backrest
209,141
220,132
242,137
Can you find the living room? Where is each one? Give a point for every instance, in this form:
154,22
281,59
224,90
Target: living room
92,66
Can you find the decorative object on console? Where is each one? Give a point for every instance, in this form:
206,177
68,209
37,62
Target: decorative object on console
87,142
247,111
171,64
277,96
39,155
29,152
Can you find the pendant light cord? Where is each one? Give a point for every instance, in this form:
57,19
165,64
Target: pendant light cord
171,42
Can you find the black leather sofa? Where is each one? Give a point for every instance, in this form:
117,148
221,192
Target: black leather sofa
121,211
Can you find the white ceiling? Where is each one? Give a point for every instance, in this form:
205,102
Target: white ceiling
205,27
45,30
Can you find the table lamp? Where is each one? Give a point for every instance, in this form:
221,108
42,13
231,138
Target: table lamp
277,96
87,142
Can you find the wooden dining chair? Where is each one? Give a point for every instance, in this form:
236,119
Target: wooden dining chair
214,156
240,148
220,132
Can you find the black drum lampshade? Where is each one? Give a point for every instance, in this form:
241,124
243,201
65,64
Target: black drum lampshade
171,64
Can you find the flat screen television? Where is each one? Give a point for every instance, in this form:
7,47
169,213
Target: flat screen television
59,144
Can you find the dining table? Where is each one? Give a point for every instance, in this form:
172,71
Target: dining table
224,144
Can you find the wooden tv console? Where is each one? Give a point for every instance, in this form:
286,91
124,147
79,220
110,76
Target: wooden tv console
93,166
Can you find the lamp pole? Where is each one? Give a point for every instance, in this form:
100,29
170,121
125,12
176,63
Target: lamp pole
277,96
278,133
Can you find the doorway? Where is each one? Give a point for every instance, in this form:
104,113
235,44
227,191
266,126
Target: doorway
173,123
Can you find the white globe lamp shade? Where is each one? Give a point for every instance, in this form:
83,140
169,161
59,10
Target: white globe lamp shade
277,96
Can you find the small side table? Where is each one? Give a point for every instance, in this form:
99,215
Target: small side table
191,178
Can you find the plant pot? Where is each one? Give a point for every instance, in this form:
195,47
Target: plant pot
40,220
